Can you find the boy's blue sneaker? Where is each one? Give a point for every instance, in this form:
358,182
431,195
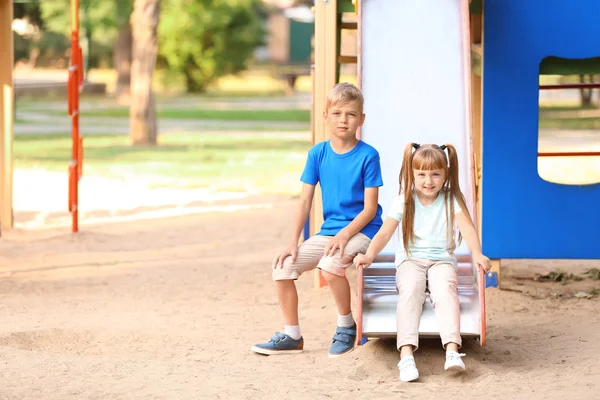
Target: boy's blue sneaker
280,344
343,341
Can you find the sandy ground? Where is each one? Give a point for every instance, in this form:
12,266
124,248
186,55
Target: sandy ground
168,308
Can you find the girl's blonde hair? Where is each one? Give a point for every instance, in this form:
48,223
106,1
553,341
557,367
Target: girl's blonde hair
430,157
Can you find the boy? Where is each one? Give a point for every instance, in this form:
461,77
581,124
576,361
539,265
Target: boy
349,173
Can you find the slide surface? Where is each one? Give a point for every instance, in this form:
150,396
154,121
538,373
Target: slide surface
416,85
416,80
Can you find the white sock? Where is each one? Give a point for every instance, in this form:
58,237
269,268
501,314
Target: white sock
345,321
292,331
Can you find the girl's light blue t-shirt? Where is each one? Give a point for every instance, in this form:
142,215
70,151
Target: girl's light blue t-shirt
431,237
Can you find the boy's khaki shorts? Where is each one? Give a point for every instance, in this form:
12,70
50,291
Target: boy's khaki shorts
310,256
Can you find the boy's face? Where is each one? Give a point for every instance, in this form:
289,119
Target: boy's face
343,120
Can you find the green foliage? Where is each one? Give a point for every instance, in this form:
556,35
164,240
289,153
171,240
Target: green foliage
98,17
203,40
99,22
48,46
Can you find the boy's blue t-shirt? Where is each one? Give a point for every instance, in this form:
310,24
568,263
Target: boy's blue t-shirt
343,179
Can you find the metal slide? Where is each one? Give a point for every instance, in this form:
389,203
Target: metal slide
415,75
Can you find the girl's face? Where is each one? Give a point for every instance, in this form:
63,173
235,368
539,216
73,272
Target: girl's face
429,183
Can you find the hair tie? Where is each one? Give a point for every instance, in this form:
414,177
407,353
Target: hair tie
443,147
416,146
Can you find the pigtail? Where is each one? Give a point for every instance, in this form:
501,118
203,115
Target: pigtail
453,188
406,180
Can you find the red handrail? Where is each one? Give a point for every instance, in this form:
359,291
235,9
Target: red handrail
570,154
595,85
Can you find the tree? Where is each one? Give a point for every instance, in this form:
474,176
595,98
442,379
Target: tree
203,40
123,50
144,23
586,94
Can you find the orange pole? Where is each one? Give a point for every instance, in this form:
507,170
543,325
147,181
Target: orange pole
359,304
75,78
481,282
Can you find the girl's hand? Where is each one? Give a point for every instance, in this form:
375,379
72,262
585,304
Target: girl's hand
363,260
482,261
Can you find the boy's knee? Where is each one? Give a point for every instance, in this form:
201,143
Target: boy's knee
330,277
332,268
287,271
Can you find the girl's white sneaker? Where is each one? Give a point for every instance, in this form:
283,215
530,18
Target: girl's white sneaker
454,361
408,369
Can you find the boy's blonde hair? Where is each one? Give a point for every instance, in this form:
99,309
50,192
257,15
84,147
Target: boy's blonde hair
343,93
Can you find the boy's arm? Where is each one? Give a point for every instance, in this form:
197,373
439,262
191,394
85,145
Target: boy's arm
366,215
299,219
469,234
302,211
360,221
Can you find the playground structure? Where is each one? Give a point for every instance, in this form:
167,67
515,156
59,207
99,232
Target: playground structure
451,77
433,72
6,114
74,87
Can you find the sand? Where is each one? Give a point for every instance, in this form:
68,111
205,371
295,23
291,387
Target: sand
167,308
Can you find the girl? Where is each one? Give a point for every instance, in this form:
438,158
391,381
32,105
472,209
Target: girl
429,205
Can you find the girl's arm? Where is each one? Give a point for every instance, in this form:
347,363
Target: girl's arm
469,234
378,243
382,237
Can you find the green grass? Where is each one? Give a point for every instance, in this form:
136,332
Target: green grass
570,123
268,163
548,120
547,109
203,114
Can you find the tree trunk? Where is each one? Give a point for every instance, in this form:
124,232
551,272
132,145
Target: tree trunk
192,84
122,63
598,92
144,23
586,94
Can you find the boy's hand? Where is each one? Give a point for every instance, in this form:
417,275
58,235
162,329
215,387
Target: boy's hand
291,250
338,241
363,260
482,261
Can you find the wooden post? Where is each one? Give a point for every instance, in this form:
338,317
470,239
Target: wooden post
325,79
6,115
477,40
476,110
